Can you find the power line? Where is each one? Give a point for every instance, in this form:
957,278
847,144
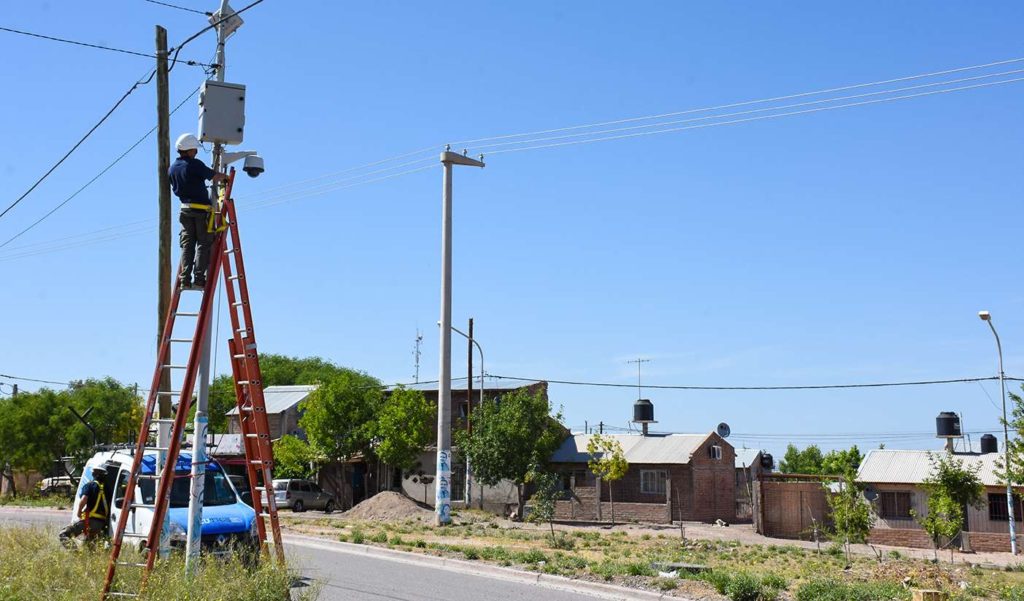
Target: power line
87,45
185,8
746,103
10,377
747,388
761,118
97,176
749,112
174,59
80,141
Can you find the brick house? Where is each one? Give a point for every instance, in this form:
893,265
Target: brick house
689,477
282,410
895,476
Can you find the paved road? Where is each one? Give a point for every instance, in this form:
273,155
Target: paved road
354,577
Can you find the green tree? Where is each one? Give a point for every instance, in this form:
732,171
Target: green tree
807,461
951,486
840,461
851,514
293,458
1016,447
403,427
510,438
338,416
607,462
277,370
37,428
545,497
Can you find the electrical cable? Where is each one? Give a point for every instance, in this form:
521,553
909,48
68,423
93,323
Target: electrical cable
96,177
79,143
87,45
177,49
486,147
747,388
10,377
185,8
744,103
761,118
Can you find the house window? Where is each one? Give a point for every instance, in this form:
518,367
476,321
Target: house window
997,508
653,481
715,452
894,505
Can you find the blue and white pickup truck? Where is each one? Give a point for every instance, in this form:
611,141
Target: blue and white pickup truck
227,521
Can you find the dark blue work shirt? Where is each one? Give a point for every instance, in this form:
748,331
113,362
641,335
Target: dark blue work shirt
188,180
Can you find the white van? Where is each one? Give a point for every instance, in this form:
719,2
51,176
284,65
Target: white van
227,522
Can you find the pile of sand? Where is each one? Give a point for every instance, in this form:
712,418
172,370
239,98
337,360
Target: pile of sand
389,506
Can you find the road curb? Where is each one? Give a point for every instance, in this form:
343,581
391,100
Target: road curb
596,589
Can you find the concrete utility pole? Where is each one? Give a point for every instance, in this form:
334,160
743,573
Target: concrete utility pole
1011,519
468,496
195,502
163,163
442,484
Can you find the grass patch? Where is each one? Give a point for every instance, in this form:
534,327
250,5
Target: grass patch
36,500
33,565
836,590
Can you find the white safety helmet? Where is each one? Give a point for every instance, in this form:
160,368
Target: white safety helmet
187,142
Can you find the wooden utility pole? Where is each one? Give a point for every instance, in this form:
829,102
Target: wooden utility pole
163,147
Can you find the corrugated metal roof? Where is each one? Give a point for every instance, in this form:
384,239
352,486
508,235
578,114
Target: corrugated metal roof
489,385
671,449
747,457
281,398
895,466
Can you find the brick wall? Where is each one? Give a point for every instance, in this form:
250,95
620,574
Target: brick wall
903,537
988,542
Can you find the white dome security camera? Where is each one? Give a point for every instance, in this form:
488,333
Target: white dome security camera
253,165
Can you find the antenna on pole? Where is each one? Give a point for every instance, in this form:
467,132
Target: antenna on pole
416,353
638,361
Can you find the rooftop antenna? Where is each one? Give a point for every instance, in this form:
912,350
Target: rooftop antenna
638,361
416,353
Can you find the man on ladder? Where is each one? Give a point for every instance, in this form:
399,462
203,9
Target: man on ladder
92,510
188,181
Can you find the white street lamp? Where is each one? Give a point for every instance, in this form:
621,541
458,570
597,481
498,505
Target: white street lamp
987,317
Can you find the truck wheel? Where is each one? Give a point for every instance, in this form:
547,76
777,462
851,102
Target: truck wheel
329,507
297,506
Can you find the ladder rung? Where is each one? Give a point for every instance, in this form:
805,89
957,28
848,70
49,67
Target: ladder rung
168,392
265,515
175,366
180,340
162,420
148,477
240,330
239,304
235,277
157,448
239,356
131,564
143,505
117,594
258,462
135,535
186,314
256,436
230,250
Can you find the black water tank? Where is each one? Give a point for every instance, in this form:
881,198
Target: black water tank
643,411
767,461
947,425
989,444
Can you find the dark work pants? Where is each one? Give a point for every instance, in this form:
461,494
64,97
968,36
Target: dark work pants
97,528
194,235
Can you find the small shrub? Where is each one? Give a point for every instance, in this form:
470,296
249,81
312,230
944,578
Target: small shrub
836,590
894,554
380,537
397,541
471,554
419,544
744,587
639,568
774,582
666,584
719,580
531,557
606,570
343,538
358,537
561,541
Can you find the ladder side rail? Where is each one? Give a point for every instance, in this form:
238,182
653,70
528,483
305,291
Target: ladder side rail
243,350
245,424
162,359
163,496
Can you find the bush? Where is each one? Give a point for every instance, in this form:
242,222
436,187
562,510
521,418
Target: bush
639,568
744,587
666,584
836,590
358,537
531,556
419,544
562,541
471,554
719,580
380,537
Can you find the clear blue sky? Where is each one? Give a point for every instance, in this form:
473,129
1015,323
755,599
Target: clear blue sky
846,246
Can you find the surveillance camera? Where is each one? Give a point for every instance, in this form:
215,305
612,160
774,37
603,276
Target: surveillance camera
253,165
